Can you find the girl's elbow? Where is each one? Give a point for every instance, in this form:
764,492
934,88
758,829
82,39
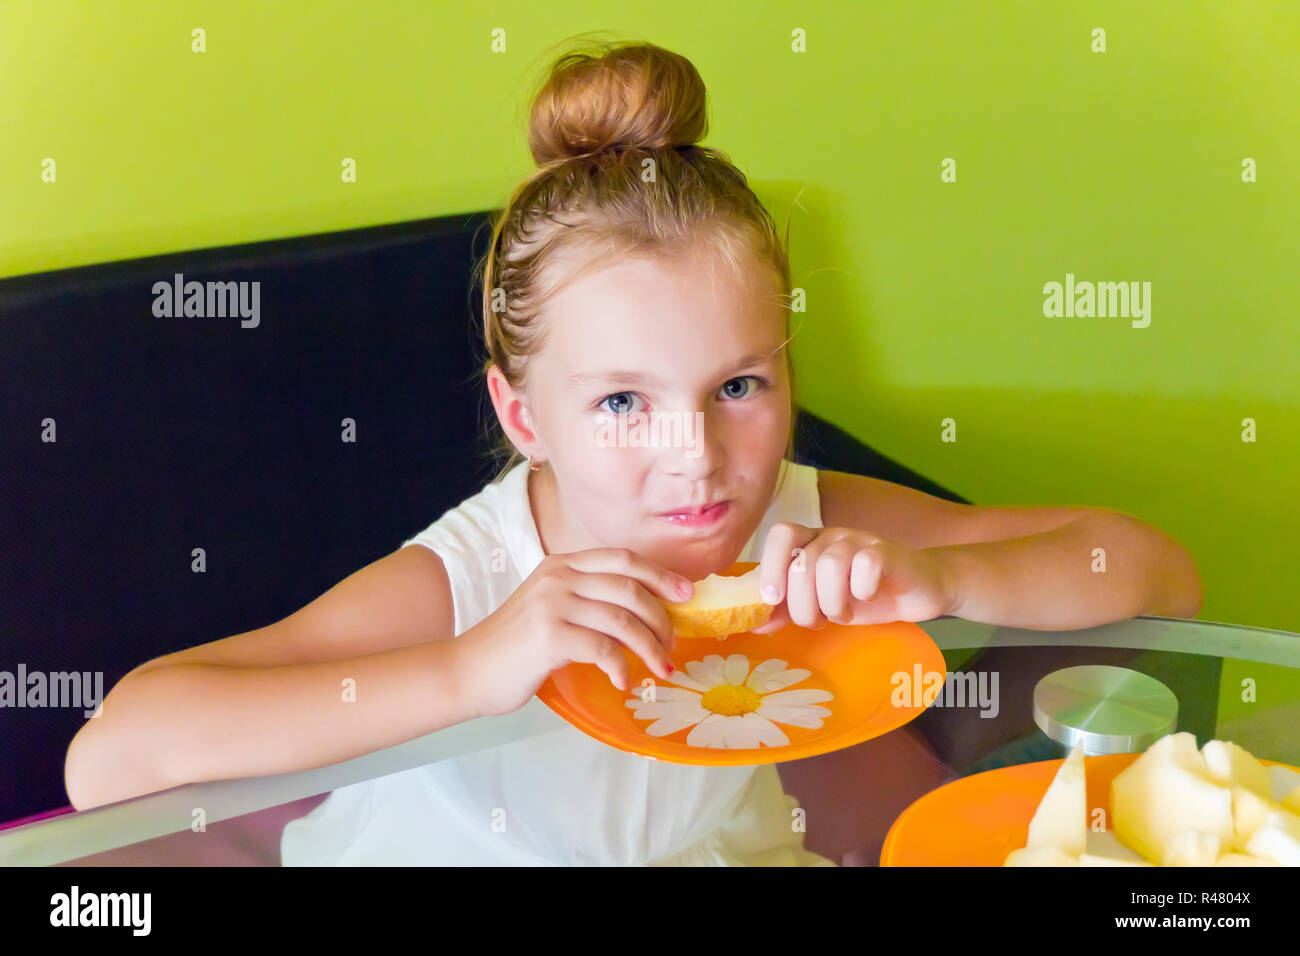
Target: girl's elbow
77,781
1198,597
1190,607
96,771
1183,596
1173,585
1195,589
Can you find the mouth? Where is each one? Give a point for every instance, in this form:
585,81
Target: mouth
699,516
693,510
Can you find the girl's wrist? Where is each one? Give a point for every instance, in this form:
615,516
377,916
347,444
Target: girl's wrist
948,560
465,659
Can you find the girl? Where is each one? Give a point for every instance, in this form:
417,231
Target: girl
634,279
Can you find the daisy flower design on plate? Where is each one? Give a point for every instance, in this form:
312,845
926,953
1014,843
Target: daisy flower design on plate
727,705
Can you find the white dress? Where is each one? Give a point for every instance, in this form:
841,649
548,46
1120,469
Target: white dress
565,798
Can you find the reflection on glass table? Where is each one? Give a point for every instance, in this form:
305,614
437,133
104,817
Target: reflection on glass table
1230,682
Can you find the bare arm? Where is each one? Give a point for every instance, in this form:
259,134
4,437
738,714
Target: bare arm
1055,580
186,723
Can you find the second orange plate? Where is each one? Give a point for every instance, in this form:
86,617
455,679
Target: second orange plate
756,698
978,820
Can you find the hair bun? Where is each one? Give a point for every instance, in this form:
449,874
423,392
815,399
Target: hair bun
622,95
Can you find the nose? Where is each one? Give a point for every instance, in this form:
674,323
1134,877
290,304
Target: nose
695,452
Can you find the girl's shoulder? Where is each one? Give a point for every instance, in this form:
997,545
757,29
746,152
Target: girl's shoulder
796,501
477,545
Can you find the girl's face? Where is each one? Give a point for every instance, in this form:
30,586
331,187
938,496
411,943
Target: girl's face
660,387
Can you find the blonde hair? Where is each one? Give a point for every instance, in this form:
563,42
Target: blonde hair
604,112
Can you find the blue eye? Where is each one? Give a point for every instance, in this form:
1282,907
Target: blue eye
601,404
624,409
762,383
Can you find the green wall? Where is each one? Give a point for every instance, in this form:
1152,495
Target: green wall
925,297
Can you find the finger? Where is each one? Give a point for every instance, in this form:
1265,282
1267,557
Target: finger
779,619
658,580
801,586
630,593
586,646
619,623
782,538
832,581
864,575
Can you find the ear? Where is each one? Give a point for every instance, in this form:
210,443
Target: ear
513,415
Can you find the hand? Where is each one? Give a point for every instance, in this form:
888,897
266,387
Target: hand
583,606
848,576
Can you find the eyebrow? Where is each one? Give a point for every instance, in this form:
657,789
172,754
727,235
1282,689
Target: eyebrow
612,377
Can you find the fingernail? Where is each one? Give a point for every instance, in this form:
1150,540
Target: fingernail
670,667
684,588
770,594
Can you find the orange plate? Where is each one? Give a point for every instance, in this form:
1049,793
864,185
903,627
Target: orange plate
978,820
849,691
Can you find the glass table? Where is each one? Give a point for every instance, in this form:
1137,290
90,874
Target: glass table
1231,682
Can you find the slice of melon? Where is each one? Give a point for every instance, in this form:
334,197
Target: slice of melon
1040,856
1062,816
1091,859
1251,812
1276,841
1233,766
1165,791
1105,849
1242,859
1292,800
1286,783
1193,848
721,606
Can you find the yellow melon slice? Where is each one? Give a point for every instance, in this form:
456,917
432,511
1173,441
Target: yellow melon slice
1165,791
1231,766
1276,841
1193,848
1046,855
1061,819
1251,812
1173,806
1104,849
1292,800
721,606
